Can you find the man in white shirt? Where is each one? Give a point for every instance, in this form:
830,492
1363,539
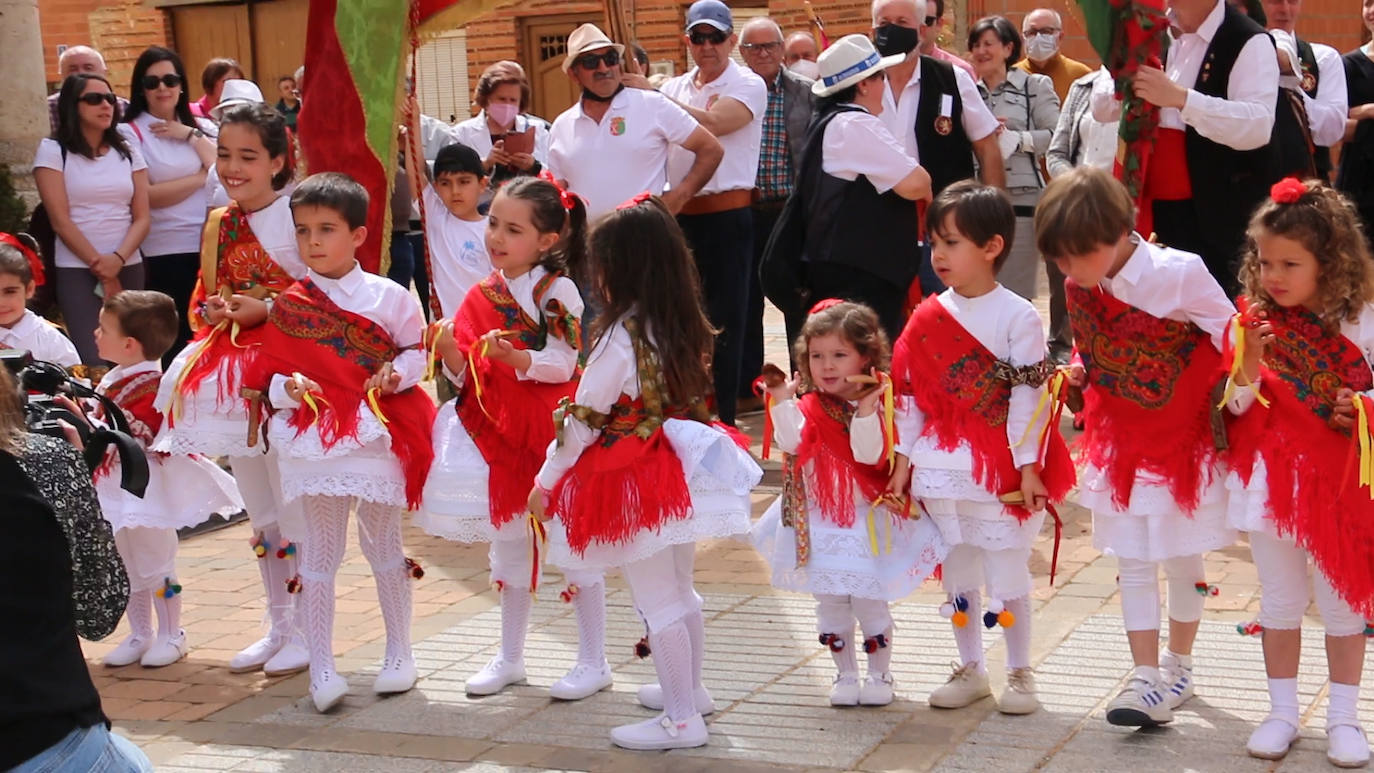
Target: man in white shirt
1319,75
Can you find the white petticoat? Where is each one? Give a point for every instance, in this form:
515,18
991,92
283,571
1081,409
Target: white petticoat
200,423
182,491
842,562
455,500
719,475
965,511
362,466
1152,528
1247,507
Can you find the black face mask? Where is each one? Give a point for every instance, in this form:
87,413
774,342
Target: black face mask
893,39
593,97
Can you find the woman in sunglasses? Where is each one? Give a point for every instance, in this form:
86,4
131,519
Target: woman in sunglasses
178,150
94,187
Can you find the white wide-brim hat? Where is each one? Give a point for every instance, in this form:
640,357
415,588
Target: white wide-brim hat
848,61
236,91
588,37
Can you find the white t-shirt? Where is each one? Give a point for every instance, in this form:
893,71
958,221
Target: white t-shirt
610,162
99,196
175,228
739,168
457,249
859,144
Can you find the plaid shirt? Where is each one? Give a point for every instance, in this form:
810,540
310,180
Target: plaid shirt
775,158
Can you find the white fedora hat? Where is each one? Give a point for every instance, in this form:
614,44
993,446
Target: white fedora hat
848,61
236,91
586,38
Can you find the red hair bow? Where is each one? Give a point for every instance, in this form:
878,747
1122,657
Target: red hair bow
35,263
639,198
1287,191
568,198
825,304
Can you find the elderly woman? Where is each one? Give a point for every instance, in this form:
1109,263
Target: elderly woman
1028,109
510,141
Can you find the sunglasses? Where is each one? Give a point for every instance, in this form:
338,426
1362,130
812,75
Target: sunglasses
703,37
94,99
930,20
592,61
170,80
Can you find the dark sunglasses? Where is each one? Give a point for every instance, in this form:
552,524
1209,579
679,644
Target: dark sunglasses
94,99
930,20
171,80
592,61
702,37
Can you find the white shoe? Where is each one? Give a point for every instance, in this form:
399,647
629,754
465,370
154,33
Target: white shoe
583,681
255,655
1272,739
165,652
397,675
291,658
328,693
495,676
845,690
129,651
966,685
876,690
1019,696
651,697
662,733
1347,746
1141,704
1178,678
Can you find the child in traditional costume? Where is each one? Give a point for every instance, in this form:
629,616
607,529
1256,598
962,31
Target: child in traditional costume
638,473
248,256
512,352
341,361
1305,354
1149,323
982,437
21,272
136,328
833,533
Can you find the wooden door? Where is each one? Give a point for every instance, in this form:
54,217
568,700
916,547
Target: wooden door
546,43
203,32
278,42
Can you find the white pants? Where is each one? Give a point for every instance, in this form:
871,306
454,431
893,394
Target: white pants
1284,596
836,614
510,565
1139,581
662,586
149,555
1004,573
259,483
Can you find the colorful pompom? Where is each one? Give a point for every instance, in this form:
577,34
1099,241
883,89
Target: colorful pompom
995,606
947,610
569,593
293,585
1369,629
414,569
833,641
960,619
168,589
1006,619
961,603
1203,589
989,619
642,648
1252,628
498,585
259,545
286,548
875,643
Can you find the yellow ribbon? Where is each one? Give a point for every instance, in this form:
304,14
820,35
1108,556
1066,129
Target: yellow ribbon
890,426
472,374
1236,331
539,540
1053,387
873,527
376,406
190,363
431,368
1362,433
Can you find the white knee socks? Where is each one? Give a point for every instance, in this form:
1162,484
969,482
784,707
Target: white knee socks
515,622
696,632
672,648
589,608
139,610
969,637
1018,635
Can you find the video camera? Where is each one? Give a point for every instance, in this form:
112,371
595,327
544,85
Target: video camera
40,382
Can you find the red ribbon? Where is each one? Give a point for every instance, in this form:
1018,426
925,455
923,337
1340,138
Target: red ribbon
639,198
1287,191
35,263
568,198
760,388
824,304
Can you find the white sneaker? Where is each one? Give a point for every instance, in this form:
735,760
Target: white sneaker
255,655
397,675
1177,677
876,690
582,681
651,697
129,651
1272,739
165,652
329,692
1019,696
662,733
291,658
845,690
495,676
1347,746
966,685
1141,704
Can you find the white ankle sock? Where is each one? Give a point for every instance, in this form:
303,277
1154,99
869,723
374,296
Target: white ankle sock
1018,636
1283,700
672,648
589,607
515,622
969,638
1183,660
1341,705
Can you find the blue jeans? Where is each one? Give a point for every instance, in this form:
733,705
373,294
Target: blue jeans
89,750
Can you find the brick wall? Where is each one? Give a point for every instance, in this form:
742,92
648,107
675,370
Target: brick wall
119,29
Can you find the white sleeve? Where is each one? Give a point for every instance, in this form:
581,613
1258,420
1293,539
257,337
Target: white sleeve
557,361
609,369
60,348
1027,337
788,422
405,322
541,142
49,155
1106,108
978,119
434,135
553,159
1243,120
276,392
1204,302
863,146
866,438
911,422
136,159
754,96
1327,113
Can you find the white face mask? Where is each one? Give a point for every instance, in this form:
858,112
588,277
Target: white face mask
807,68
1042,46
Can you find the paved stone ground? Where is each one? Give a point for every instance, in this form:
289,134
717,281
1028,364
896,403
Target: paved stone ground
769,678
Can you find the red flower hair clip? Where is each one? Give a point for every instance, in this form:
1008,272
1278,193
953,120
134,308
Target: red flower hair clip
568,198
35,263
1287,191
639,198
825,304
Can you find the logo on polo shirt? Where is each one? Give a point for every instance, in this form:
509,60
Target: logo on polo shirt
711,101
617,126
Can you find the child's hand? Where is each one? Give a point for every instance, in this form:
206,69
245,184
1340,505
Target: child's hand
1259,333
298,386
499,349
778,385
1343,415
387,380
901,477
246,310
1033,491
868,401
1077,376
215,309
538,502
439,336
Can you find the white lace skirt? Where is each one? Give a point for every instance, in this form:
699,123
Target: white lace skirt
966,512
1153,528
719,475
455,500
362,466
182,491
200,423
842,561
1247,507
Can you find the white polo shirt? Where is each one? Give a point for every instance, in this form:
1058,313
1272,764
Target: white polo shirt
740,166
900,117
624,155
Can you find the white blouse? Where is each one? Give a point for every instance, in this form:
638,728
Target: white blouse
40,338
865,432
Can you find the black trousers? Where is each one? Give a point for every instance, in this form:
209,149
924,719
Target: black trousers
832,280
765,217
722,245
175,275
1177,225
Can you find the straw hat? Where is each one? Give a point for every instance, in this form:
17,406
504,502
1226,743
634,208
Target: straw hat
848,61
586,38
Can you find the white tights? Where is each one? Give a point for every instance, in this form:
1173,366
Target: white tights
511,566
663,593
1139,581
835,615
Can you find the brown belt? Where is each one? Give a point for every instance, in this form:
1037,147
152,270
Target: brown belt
724,201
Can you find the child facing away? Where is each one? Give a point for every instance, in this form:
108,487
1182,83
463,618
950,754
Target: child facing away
638,473
21,272
340,361
1149,323
248,256
827,535
986,457
136,328
1308,330
520,330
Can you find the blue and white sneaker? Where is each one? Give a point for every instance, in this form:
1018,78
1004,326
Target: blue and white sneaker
1144,702
1177,677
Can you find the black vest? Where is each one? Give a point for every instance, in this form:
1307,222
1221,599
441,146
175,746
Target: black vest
1311,76
947,156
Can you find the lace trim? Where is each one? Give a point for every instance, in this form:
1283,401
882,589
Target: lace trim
308,446
382,490
946,484
184,442
1149,496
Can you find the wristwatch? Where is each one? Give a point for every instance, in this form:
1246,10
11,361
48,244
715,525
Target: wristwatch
195,132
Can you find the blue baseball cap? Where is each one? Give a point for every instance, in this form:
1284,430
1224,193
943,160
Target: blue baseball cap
712,12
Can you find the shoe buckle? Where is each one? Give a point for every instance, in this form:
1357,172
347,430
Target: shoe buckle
670,727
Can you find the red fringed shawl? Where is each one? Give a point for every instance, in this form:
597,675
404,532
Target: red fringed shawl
512,424
1314,497
1147,407
834,474
340,350
134,395
965,394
